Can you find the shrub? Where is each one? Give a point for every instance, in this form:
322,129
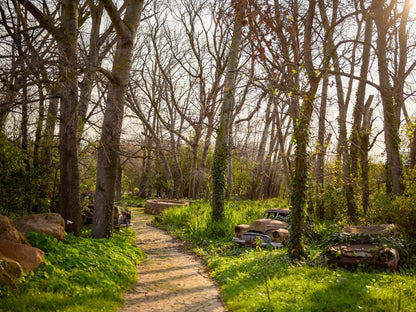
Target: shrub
404,206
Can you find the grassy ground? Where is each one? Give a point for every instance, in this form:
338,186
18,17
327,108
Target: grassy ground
80,274
265,280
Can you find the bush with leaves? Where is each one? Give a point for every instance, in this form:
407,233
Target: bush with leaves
22,187
404,206
12,178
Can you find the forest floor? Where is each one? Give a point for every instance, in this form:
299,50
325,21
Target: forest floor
170,279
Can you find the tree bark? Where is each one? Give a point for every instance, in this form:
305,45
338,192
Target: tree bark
67,38
359,105
321,149
390,113
219,168
301,140
68,146
86,85
365,148
253,191
108,153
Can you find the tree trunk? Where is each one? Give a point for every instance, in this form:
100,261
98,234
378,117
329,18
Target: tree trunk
118,182
365,147
321,149
68,146
252,192
219,169
301,139
359,105
390,113
108,153
48,134
38,133
228,189
201,174
67,38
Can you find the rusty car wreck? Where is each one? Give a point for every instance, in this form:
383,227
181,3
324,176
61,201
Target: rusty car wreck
270,230
374,252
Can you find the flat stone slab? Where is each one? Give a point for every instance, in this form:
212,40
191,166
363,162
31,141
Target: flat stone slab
170,279
376,229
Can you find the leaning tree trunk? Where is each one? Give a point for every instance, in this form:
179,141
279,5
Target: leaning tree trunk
92,62
108,153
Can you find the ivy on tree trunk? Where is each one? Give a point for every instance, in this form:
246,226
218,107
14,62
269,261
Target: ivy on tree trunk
219,168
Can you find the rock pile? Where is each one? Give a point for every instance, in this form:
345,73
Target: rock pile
16,254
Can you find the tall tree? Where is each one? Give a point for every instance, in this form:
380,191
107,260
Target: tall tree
219,168
382,13
343,101
66,34
108,153
301,140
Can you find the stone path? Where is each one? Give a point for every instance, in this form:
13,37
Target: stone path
170,279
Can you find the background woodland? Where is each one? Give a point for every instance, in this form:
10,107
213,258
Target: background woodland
127,97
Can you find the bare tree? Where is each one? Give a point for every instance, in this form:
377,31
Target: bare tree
301,138
391,100
66,34
219,168
108,153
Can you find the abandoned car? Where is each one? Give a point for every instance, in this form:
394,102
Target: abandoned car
121,217
361,246
270,230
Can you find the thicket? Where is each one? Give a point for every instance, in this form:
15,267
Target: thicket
24,188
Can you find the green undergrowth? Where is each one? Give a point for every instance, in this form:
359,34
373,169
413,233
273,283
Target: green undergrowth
255,279
195,225
79,274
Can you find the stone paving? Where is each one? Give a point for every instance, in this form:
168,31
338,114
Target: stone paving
170,279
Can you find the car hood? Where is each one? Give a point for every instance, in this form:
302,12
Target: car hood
264,225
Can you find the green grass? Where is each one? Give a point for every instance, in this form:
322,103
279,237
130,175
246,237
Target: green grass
80,274
195,224
265,280
303,287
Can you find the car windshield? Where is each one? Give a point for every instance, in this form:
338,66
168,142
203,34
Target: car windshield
276,215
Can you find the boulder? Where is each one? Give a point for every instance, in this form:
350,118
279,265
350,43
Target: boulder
157,206
6,279
28,257
377,229
48,223
10,266
9,270
9,232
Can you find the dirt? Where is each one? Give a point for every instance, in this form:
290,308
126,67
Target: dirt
170,279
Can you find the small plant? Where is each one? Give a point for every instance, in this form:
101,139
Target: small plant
80,274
